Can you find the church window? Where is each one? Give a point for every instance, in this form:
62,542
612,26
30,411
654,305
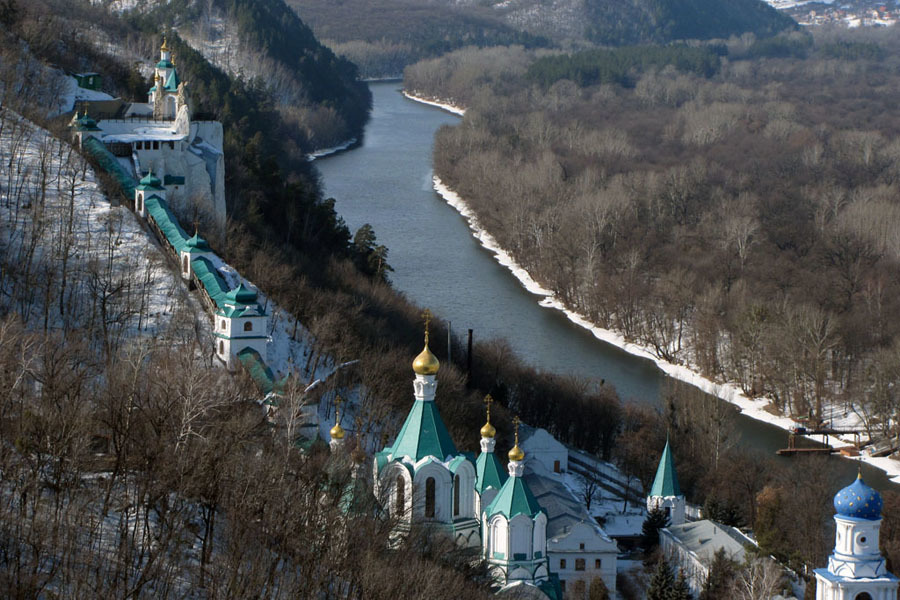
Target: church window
562,563
598,564
579,564
456,496
184,264
400,500
581,546
863,596
429,498
221,347
498,538
248,326
156,145
556,466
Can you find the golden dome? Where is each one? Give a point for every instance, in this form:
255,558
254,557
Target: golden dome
165,46
516,454
337,432
426,363
488,431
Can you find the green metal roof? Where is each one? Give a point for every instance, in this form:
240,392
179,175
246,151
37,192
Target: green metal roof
150,182
172,81
210,279
666,481
164,64
166,221
259,371
197,244
241,295
424,434
110,164
489,472
514,498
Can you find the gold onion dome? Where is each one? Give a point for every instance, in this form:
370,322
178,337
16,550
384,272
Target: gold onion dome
337,432
165,46
426,363
516,454
488,431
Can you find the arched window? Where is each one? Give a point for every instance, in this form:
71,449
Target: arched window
429,498
221,347
184,264
498,538
248,326
400,500
456,496
863,596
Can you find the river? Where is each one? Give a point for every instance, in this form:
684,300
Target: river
386,181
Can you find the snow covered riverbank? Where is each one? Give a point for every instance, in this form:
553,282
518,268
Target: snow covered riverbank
752,407
456,110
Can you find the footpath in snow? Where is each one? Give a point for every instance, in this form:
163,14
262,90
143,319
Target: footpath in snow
752,407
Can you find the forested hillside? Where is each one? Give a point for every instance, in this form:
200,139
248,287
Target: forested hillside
740,219
383,36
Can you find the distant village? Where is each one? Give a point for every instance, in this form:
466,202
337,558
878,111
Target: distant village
859,13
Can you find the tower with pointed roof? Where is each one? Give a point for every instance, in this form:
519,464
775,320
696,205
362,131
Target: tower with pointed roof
514,529
489,473
422,477
240,326
665,495
856,570
164,93
148,187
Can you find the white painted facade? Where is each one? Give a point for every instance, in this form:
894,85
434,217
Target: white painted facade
541,446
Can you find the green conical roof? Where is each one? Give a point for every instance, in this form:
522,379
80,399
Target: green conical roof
514,498
241,295
489,472
666,482
424,434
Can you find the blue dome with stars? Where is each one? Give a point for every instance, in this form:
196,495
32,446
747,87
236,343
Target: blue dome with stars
858,501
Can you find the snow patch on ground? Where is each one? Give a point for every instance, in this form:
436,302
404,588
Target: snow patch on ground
752,407
74,94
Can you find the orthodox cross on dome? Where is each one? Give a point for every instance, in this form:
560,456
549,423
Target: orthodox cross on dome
516,423
427,317
488,400
337,409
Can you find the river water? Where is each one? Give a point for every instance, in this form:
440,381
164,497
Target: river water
387,182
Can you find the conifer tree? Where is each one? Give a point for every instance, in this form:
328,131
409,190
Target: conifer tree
681,590
662,582
656,520
721,576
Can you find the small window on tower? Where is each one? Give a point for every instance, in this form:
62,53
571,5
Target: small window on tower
221,347
248,326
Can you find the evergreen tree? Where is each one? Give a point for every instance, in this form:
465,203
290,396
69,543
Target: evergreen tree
656,520
681,590
721,576
662,582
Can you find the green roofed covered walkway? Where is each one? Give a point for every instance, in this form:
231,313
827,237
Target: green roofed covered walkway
166,222
211,280
109,163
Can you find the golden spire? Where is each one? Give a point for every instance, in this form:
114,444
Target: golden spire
426,363
488,430
165,46
156,78
516,453
337,432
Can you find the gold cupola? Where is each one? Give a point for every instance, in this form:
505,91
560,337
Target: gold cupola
488,430
426,363
337,432
165,46
516,454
